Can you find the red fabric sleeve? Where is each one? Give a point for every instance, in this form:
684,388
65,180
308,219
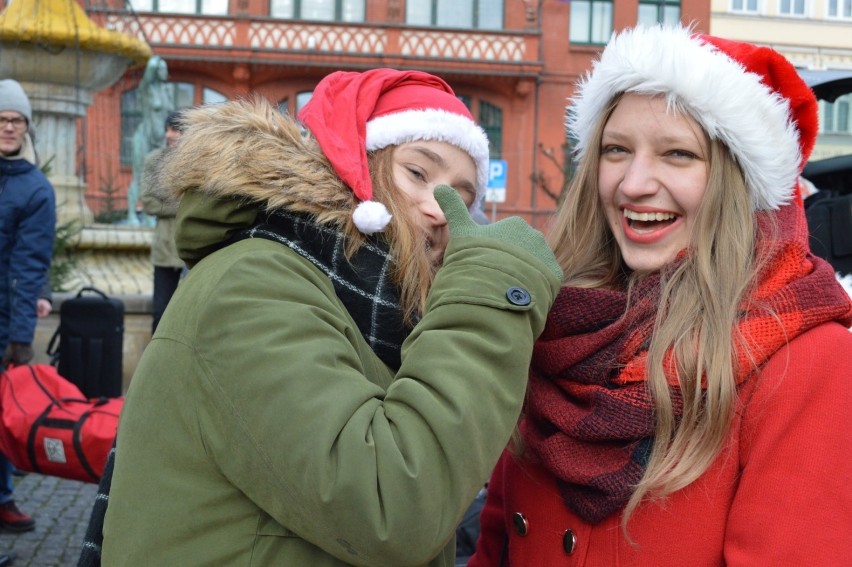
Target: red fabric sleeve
492,536
793,505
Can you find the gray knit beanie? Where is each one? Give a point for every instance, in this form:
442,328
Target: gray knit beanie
13,97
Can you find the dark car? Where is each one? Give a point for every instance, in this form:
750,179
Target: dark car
829,211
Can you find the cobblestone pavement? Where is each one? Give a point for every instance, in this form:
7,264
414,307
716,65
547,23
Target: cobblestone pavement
61,510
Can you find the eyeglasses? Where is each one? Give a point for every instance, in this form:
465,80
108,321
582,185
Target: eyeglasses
19,123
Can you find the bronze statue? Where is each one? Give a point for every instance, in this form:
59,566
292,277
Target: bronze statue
155,101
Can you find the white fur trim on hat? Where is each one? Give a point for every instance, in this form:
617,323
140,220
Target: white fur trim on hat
371,217
432,124
730,103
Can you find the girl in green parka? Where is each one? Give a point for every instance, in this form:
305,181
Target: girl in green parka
338,374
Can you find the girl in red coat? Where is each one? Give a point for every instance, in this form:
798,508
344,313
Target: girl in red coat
689,399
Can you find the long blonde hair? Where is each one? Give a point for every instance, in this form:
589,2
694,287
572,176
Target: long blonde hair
697,315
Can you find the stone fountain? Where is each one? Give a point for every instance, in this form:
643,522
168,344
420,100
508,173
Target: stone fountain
61,58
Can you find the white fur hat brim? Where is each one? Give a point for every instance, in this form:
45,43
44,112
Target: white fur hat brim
433,124
729,102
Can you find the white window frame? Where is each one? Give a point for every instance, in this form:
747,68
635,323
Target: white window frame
483,14
743,7
197,7
830,114
660,4
602,35
319,10
791,13
842,8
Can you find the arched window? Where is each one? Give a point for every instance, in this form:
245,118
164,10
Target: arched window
490,118
209,96
302,99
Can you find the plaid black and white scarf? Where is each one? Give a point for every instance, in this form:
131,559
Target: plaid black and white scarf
362,283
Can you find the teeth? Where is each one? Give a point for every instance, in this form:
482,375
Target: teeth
633,215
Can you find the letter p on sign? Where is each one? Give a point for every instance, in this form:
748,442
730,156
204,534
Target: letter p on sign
496,190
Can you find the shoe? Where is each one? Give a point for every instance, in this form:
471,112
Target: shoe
17,472
13,519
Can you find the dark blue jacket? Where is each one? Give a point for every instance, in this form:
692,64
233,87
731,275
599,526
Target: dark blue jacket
27,230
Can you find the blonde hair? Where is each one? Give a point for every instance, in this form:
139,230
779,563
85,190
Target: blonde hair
697,315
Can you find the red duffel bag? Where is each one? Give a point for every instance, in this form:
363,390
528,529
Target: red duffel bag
47,426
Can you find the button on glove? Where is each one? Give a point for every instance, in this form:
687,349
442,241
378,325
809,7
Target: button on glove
18,354
513,230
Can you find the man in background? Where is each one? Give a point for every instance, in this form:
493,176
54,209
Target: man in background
27,231
158,202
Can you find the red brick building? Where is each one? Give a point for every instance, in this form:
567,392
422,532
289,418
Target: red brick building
512,61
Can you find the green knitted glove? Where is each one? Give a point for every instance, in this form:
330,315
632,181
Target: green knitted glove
513,230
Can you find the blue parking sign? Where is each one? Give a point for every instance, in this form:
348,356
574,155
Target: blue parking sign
496,190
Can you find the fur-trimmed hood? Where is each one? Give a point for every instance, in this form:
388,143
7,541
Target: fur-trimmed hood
238,159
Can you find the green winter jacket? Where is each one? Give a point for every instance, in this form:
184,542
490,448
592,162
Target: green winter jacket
260,428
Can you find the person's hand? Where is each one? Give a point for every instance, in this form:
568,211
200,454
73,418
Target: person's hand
43,308
513,230
18,354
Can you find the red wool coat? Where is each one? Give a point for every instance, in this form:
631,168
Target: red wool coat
780,493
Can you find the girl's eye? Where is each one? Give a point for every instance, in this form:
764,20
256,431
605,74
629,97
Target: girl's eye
682,154
416,173
612,150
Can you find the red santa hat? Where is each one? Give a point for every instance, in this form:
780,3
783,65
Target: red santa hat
749,97
352,113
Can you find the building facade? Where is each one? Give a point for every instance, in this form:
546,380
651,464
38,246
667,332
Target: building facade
512,61
816,35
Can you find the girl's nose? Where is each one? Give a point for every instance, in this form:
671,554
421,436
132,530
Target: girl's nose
639,177
433,212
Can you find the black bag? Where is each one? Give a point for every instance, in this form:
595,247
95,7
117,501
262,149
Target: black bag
91,337
830,226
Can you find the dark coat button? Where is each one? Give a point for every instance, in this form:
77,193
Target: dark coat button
518,296
522,526
569,542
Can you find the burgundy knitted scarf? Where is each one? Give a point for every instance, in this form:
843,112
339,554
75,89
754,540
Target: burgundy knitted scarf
589,414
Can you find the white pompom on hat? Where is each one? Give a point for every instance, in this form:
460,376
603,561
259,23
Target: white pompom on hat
749,97
353,113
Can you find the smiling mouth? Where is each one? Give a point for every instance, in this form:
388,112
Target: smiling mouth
648,222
